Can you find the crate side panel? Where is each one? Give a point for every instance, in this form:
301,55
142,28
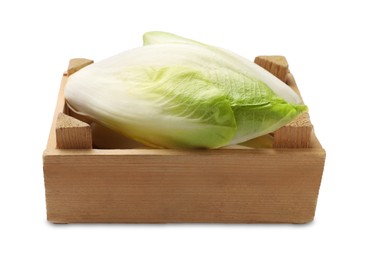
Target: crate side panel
224,188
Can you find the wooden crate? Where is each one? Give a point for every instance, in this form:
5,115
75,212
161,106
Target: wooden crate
279,184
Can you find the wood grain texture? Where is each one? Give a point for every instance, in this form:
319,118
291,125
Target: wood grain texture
159,186
296,134
163,185
77,64
72,133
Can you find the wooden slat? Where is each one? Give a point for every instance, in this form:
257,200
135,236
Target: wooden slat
77,64
72,133
163,185
277,65
296,134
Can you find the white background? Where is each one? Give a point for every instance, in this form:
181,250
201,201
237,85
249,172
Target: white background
326,43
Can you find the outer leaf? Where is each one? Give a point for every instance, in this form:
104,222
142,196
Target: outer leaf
250,69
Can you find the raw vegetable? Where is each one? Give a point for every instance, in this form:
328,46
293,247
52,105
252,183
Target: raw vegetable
178,93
